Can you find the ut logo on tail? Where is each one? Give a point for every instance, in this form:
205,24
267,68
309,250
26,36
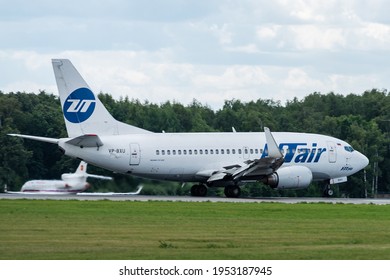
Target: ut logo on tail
79,105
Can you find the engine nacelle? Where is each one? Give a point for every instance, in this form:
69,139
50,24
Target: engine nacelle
290,177
73,180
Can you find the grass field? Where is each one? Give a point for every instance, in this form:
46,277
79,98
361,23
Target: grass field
47,229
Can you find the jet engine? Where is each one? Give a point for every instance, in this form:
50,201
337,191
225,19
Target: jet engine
290,177
73,179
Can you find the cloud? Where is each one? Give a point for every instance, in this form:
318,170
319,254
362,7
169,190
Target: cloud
211,51
310,37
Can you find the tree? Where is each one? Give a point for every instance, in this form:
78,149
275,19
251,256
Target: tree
362,120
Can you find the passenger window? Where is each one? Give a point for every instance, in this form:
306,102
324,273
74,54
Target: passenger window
157,152
216,151
185,152
251,151
179,152
163,152
206,152
174,152
190,152
239,151
228,151
168,152
201,152
233,151
195,152
211,151
222,151
256,151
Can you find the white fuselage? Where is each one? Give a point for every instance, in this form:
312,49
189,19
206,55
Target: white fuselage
53,187
188,157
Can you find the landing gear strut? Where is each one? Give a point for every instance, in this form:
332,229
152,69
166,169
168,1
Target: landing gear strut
232,191
199,190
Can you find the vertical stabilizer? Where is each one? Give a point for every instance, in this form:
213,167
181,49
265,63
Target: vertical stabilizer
82,109
82,169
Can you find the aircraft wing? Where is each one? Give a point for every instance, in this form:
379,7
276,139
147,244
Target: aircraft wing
99,177
111,193
252,168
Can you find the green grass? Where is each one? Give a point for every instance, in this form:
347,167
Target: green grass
47,229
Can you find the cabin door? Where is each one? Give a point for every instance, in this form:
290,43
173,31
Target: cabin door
135,154
332,152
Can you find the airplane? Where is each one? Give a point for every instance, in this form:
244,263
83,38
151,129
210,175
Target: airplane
71,183
282,160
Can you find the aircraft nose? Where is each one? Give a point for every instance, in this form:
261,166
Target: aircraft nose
362,160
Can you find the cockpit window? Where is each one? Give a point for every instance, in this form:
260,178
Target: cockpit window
348,149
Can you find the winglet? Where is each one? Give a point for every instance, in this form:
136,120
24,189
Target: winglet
140,187
273,149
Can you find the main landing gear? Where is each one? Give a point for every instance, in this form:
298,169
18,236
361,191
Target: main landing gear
199,190
230,191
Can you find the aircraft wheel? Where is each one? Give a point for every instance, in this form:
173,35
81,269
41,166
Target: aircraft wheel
199,190
232,191
328,192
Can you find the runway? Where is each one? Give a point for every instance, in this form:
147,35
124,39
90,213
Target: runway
146,198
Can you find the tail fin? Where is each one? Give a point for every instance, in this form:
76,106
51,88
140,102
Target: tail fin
83,111
82,169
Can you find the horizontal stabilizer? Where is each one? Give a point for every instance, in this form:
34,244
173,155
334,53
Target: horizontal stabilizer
37,138
88,140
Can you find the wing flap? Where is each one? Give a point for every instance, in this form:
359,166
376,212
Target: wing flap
252,169
219,176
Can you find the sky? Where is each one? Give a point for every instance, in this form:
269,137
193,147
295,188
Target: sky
211,51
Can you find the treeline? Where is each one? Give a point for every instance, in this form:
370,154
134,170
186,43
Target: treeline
362,120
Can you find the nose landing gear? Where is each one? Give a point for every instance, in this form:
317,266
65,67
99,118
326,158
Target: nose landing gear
327,192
